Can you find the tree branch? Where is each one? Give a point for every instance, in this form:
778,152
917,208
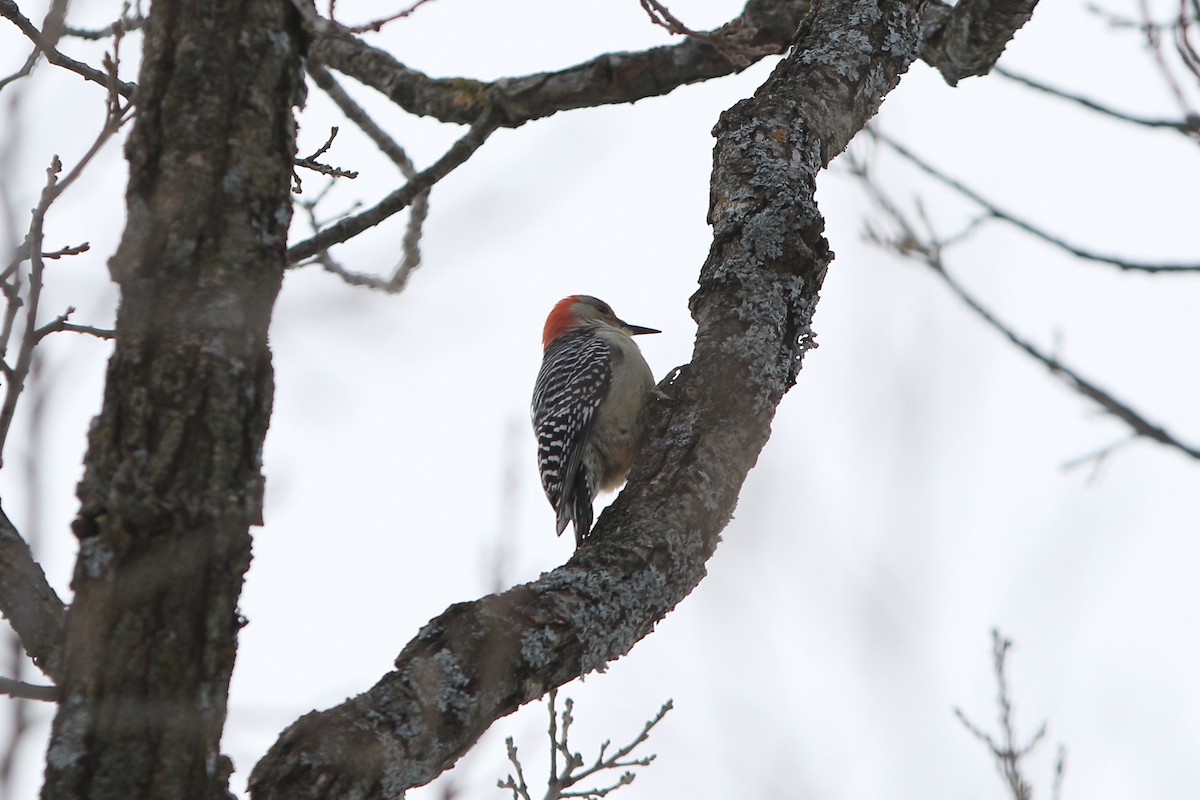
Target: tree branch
398,200
411,258
996,212
927,248
28,691
758,290
1103,398
1189,126
31,606
605,80
47,45
966,39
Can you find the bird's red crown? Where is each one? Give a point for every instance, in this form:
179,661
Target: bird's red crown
561,319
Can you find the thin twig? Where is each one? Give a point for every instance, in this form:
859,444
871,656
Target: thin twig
60,323
518,786
560,781
1007,753
25,70
310,162
732,41
1060,766
400,199
71,250
1190,126
417,214
925,247
376,25
132,18
1122,411
1154,41
997,213
1118,21
46,45
119,112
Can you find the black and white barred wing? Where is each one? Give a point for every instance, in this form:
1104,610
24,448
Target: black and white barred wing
575,375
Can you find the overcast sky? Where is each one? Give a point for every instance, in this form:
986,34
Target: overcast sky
913,495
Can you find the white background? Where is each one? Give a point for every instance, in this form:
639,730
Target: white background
912,496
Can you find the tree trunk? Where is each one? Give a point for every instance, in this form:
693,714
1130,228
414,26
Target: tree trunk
173,475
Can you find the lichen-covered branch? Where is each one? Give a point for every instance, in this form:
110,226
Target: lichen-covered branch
758,289
32,607
966,39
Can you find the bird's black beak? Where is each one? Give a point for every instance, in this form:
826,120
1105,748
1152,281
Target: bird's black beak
637,330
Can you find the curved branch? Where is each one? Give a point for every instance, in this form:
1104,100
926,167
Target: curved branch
758,289
605,80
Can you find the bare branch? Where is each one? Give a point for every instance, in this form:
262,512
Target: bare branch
1060,767
733,41
927,248
24,71
1190,127
559,783
70,250
359,116
32,607
60,323
518,786
1122,411
1119,21
52,30
617,759
132,18
765,26
420,206
20,371
398,200
378,24
119,112
1000,214
47,46
1154,42
1007,753
310,162
28,691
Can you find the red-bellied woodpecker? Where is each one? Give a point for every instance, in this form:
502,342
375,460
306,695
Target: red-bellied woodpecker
587,406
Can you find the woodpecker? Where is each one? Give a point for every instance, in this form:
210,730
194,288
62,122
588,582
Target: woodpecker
587,406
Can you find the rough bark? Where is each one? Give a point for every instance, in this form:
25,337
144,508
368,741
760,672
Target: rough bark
967,39
758,288
173,475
